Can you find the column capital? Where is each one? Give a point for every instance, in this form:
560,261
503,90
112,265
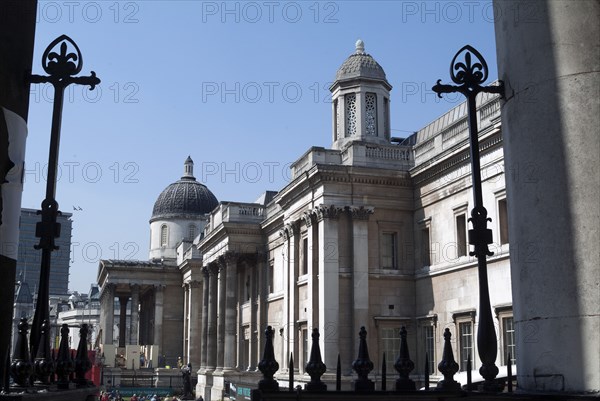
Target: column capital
308,217
134,287
327,212
361,212
212,269
108,289
194,284
290,229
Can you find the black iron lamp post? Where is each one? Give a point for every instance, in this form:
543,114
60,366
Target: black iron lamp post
61,67
469,75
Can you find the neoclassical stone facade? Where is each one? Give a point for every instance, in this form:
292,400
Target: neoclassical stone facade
372,232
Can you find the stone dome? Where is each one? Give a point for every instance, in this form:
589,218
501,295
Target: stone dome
360,64
184,198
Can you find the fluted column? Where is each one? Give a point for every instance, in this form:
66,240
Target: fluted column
123,320
205,285
254,291
195,302
135,315
329,298
211,324
221,313
310,219
108,313
261,318
158,315
231,300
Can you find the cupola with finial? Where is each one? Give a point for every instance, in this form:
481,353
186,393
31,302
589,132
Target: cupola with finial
360,101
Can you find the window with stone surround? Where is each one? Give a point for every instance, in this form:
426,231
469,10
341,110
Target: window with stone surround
390,344
465,321
504,314
306,344
460,230
503,221
350,101
304,255
429,346
164,235
466,344
389,250
270,280
371,114
424,238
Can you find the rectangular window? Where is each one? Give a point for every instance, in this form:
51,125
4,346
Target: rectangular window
389,251
461,235
305,256
270,281
508,334
503,221
429,343
390,341
425,247
466,344
305,348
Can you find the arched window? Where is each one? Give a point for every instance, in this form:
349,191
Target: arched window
164,235
191,232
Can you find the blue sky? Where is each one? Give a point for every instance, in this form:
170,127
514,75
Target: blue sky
242,87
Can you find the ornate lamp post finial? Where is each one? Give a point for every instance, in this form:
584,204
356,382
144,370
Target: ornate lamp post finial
469,75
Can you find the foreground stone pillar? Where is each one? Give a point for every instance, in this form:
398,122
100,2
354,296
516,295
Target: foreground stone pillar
548,59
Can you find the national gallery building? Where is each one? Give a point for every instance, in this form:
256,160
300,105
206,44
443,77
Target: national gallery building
370,232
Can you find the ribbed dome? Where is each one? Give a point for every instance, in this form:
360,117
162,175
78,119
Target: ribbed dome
184,197
360,64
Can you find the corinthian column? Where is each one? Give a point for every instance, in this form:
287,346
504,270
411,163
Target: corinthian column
135,316
231,295
329,290
205,286
221,314
211,324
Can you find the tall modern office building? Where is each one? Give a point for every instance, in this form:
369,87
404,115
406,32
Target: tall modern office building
29,260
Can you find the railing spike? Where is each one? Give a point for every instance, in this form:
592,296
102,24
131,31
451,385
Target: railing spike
43,365
363,365
315,366
21,367
291,373
82,361
469,368
404,365
383,374
268,365
338,375
448,366
509,378
64,362
426,371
